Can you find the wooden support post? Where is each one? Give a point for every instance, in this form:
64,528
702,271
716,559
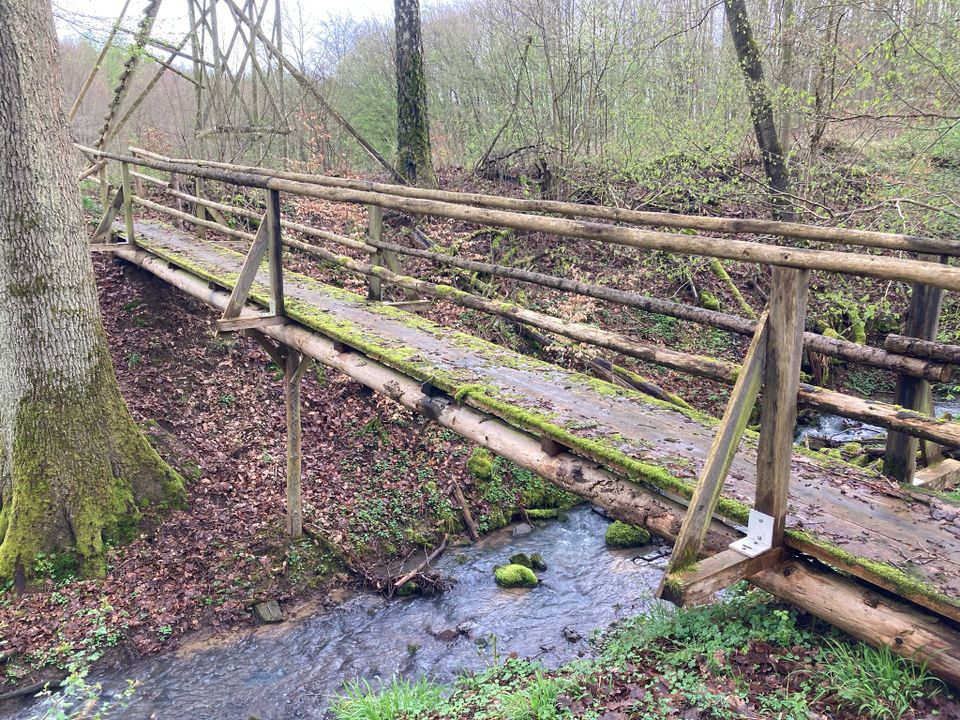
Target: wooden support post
103,232
295,366
922,321
104,187
699,513
199,210
274,252
375,232
781,380
248,273
127,202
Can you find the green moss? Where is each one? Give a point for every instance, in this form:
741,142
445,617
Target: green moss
621,535
709,301
537,562
881,573
542,513
521,559
480,464
514,576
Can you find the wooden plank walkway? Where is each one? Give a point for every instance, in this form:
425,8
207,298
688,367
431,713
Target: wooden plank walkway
848,517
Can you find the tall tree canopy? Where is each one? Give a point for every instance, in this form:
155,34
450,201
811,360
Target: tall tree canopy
414,160
75,469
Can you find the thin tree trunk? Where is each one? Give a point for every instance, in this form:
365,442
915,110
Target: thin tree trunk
75,470
748,55
414,159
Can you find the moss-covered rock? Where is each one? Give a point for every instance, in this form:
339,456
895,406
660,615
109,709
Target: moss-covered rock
480,464
408,588
537,562
543,513
709,301
621,535
514,576
521,559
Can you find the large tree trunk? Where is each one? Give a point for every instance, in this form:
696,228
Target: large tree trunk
414,159
75,470
748,55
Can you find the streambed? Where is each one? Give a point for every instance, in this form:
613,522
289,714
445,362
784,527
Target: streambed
291,670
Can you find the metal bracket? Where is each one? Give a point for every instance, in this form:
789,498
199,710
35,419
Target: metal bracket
759,537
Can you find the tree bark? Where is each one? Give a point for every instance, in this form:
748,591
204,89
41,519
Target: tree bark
761,110
75,470
414,158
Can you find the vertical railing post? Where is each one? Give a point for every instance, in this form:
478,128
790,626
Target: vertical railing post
104,187
375,232
199,211
274,252
781,381
127,201
922,321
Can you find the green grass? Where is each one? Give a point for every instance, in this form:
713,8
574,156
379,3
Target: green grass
393,701
877,683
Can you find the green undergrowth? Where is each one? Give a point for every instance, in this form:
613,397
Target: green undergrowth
715,659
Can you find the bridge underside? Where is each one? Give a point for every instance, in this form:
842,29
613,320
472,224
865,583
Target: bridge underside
848,517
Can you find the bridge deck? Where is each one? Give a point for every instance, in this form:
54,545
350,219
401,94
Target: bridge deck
851,518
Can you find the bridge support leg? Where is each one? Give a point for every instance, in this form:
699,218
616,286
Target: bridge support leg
127,202
375,232
296,366
922,321
781,381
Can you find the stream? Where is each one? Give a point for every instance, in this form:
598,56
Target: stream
843,430
291,670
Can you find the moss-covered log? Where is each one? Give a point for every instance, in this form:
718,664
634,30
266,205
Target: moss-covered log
75,470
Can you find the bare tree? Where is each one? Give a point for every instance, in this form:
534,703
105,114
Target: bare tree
414,156
75,470
761,110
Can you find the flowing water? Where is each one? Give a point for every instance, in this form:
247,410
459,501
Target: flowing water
292,669
844,430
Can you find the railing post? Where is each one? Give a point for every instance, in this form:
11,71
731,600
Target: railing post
127,202
781,381
104,188
375,233
922,321
199,211
274,252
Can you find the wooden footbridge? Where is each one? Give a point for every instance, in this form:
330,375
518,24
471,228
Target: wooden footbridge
877,558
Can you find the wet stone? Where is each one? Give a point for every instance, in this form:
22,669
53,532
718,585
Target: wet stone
268,612
571,635
522,530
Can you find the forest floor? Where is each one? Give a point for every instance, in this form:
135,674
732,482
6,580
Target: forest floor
378,480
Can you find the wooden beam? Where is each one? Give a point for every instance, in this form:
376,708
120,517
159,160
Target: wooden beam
411,305
922,321
105,247
106,222
294,368
938,476
722,451
127,202
249,322
781,380
928,349
375,232
248,273
698,582
271,220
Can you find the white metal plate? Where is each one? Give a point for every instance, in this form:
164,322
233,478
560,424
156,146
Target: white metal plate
759,537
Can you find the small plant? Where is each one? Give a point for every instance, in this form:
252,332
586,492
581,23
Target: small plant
133,359
396,700
536,700
78,698
874,682
227,400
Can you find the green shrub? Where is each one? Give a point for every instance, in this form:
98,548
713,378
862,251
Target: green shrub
513,576
621,535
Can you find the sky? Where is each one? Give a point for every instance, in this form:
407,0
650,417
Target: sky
76,16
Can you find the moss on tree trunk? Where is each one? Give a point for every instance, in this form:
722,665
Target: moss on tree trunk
75,470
